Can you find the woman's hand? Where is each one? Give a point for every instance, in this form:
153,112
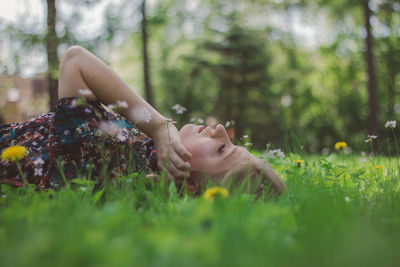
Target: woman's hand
172,156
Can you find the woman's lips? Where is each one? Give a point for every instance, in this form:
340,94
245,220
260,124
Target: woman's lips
201,128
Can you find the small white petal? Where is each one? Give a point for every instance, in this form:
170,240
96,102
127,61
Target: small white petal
179,109
121,137
38,161
391,124
85,92
111,106
275,153
38,172
109,128
140,114
122,104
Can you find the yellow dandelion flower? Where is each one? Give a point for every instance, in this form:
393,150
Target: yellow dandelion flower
213,192
14,153
340,145
378,167
298,161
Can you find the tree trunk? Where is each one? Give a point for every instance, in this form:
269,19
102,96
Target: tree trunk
392,70
148,91
372,87
51,49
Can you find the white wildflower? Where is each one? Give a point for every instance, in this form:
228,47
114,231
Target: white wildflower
248,144
362,160
111,106
276,153
109,128
38,172
38,161
227,124
140,114
67,132
170,120
200,120
85,92
397,108
121,137
122,104
286,100
370,138
87,110
179,109
192,119
245,136
390,124
347,199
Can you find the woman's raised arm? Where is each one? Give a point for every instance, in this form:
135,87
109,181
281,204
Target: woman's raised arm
80,69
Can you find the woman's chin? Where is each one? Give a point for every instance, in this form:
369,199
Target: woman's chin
186,127
187,131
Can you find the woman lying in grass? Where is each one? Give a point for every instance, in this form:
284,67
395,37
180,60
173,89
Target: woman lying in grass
82,137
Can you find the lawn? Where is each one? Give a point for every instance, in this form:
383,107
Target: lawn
340,210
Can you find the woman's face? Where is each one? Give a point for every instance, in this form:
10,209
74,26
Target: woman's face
212,150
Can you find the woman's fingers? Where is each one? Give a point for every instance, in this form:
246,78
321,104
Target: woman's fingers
177,175
179,163
182,151
174,159
176,167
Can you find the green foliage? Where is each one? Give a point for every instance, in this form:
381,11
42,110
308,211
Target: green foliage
231,60
338,211
296,98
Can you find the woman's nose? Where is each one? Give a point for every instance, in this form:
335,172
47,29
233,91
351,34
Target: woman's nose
220,131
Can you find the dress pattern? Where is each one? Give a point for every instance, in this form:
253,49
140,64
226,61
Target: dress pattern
80,138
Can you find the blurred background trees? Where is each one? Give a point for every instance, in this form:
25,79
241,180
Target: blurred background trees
298,75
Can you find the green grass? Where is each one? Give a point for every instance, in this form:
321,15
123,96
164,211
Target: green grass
337,212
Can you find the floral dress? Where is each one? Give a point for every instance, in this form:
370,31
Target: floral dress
81,138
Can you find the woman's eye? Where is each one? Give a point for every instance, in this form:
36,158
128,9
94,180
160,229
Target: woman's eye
221,148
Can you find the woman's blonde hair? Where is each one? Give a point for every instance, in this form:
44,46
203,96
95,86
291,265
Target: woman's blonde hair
252,175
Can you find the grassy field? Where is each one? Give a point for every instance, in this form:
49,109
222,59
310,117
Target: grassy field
339,211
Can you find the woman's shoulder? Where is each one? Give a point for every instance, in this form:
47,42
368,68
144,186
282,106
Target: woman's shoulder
83,109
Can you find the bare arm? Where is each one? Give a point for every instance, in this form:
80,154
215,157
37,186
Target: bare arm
80,69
